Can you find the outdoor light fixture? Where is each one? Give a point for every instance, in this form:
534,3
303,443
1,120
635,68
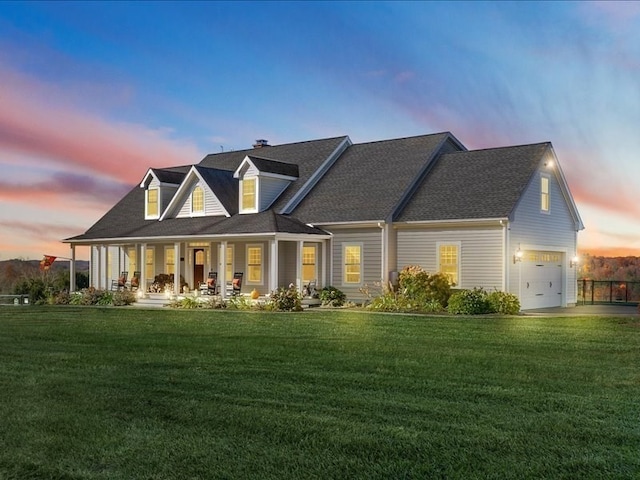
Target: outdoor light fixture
573,262
518,256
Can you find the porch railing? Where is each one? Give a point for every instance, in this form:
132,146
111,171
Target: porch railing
608,291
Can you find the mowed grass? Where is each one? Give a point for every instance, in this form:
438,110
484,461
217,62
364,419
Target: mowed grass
119,393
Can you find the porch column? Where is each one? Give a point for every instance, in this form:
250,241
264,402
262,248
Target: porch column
72,269
325,263
300,244
176,266
222,269
143,268
273,265
104,271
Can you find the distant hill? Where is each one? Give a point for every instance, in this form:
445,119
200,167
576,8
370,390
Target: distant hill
17,270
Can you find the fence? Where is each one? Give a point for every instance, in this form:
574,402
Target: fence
608,291
14,299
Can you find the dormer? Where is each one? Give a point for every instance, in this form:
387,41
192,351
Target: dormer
204,192
262,181
159,185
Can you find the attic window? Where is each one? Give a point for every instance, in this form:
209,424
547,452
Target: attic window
197,200
152,203
249,196
544,194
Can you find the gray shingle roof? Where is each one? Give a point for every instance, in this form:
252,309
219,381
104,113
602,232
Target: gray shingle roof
273,166
474,184
223,185
368,181
309,156
173,175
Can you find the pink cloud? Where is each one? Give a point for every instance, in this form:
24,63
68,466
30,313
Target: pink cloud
39,120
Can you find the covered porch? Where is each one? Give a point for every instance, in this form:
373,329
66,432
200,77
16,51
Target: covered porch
181,265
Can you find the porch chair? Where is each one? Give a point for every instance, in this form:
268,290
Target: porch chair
135,281
121,282
236,283
309,290
210,287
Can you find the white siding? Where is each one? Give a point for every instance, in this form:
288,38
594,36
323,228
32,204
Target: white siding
371,239
269,190
553,231
211,204
481,253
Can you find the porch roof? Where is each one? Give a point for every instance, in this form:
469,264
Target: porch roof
267,222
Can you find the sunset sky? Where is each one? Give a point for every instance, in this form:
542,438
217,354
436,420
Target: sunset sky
93,94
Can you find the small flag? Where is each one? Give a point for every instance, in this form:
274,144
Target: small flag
47,261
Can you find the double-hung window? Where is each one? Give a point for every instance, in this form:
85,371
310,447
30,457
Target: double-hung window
152,203
249,195
254,264
449,261
352,263
309,271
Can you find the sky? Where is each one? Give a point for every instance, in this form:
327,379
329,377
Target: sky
93,94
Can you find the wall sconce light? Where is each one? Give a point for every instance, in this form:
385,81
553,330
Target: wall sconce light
574,262
518,256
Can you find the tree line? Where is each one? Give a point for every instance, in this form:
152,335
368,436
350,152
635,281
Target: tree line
609,268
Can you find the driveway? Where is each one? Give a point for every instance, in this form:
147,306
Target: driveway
585,310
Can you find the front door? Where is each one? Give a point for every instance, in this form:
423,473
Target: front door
198,267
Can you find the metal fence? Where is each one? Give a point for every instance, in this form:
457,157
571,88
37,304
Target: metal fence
608,291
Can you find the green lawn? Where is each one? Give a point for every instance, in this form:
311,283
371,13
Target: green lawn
120,393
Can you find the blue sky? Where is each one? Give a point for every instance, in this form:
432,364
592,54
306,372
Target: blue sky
93,94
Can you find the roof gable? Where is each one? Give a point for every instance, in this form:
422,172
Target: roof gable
218,184
369,180
478,184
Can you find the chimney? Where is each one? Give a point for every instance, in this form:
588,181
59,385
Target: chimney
261,143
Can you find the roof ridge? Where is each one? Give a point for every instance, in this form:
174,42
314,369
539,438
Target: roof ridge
269,147
403,138
500,148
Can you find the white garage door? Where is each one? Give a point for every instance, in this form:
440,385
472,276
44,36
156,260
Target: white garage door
541,280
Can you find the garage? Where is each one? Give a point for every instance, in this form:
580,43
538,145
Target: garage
542,283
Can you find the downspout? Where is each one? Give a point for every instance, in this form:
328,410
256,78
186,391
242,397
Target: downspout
385,254
505,255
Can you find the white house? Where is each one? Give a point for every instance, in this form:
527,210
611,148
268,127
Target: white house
349,215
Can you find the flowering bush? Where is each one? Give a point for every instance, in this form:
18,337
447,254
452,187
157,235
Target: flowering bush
285,300
331,296
504,303
416,284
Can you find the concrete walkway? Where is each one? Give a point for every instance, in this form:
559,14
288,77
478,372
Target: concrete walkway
586,310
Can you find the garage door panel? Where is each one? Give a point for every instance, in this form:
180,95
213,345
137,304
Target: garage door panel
541,279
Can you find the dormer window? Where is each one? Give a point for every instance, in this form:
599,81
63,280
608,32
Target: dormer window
152,203
197,200
249,196
262,181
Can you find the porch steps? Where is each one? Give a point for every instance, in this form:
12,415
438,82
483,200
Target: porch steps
152,300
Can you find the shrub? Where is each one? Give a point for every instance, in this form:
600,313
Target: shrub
469,302
239,302
420,287
504,303
123,297
61,298
331,296
285,300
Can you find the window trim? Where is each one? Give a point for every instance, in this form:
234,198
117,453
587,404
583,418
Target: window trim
315,263
458,246
545,195
345,245
147,215
253,209
248,276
